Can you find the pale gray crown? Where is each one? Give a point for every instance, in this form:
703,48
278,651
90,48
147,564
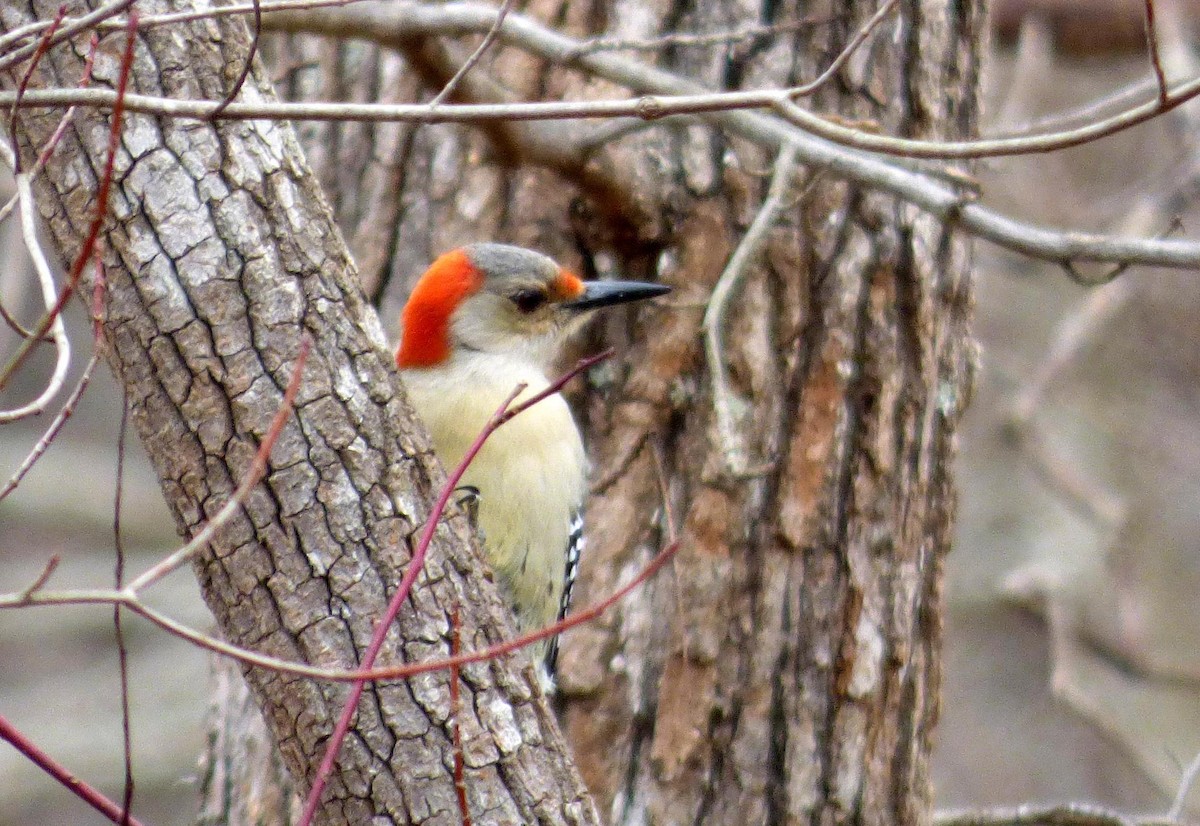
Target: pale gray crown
506,261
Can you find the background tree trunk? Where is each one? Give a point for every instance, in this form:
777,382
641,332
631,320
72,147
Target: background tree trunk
220,254
787,669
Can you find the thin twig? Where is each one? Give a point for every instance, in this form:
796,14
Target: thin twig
118,632
476,56
56,136
675,95
255,35
1160,76
43,45
396,23
647,107
13,324
69,30
846,53
62,774
730,410
581,366
945,201
685,39
1077,330
1186,782
1078,491
42,159
174,18
58,330
406,20
338,675
1066,814
620,464
72,401
42,578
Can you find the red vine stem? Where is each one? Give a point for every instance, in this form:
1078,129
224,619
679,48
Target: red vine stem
62,774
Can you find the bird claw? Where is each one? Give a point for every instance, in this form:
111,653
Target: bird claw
469,502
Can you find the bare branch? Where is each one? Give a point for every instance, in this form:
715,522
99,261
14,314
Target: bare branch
730,410
30,597
391,24
150,20
42,578
1160,77
476,56
1067,814
9,153
1073,333
398,23
69,30
43,45
247,65
118,631
394,23
646,108
43,444
845,54
68,779
676,39
58,330
72,401
1186,782
12,322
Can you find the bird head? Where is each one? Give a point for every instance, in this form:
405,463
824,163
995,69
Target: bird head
495,298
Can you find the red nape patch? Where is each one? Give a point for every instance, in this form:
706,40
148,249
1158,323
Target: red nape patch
425,340
567,285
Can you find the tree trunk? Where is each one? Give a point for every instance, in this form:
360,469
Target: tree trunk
789,671
220,254
786,670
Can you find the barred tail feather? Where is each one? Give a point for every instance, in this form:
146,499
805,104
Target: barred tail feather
575,543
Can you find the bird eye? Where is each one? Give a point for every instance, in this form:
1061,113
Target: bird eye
528,300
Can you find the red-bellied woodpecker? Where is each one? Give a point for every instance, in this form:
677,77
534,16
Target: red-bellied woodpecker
482,320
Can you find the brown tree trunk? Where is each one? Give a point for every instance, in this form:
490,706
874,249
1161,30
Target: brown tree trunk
786,670
220,254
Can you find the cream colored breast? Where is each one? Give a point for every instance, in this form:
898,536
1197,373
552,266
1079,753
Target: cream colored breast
530,473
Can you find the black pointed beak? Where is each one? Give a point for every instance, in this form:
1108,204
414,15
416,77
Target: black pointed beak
607,293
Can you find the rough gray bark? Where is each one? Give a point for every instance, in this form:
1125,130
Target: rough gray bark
788,670
220,253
